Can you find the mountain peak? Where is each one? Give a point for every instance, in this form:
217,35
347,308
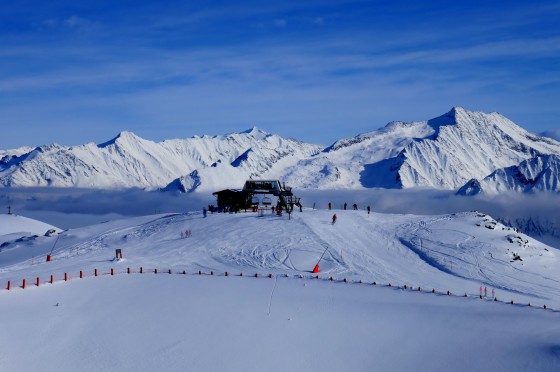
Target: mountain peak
125,136
256,132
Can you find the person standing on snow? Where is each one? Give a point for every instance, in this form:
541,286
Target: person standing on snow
333,218
368,209
330,206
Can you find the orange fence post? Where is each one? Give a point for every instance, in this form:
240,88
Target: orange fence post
23,284
8,287
52,279
37,282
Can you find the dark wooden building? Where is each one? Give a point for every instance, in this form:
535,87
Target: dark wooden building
232,200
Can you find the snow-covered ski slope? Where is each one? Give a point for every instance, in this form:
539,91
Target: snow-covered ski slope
458,252
208,323
291,321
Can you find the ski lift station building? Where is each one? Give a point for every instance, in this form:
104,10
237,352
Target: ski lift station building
234,199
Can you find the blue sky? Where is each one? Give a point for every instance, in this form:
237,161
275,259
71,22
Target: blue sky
73,72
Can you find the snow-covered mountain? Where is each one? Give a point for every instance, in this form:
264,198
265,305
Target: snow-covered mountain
130,161
445,152
541,173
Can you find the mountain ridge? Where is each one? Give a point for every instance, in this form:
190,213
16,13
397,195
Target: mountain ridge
444,152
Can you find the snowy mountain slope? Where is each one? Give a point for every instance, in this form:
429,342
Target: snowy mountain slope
130,161
267,159
541,173
358,161
456,252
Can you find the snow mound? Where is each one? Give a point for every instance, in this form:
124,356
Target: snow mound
11,224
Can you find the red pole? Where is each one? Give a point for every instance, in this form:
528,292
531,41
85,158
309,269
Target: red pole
128,270
95,272
112,272
65,277
23,285
37,282
8,288
52,279
81,274
140,269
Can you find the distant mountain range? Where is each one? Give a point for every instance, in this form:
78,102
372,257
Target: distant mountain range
468,151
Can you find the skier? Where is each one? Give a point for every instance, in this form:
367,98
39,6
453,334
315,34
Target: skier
333,218
355,206
204,212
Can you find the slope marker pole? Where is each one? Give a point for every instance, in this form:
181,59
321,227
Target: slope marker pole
316,268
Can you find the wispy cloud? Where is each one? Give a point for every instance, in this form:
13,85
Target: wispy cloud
370,63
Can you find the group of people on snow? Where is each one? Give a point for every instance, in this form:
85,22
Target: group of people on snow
354,207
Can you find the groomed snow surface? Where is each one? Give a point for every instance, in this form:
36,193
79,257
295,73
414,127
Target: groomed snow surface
290,321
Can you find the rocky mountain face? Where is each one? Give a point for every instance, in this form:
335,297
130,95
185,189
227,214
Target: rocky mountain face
466,150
